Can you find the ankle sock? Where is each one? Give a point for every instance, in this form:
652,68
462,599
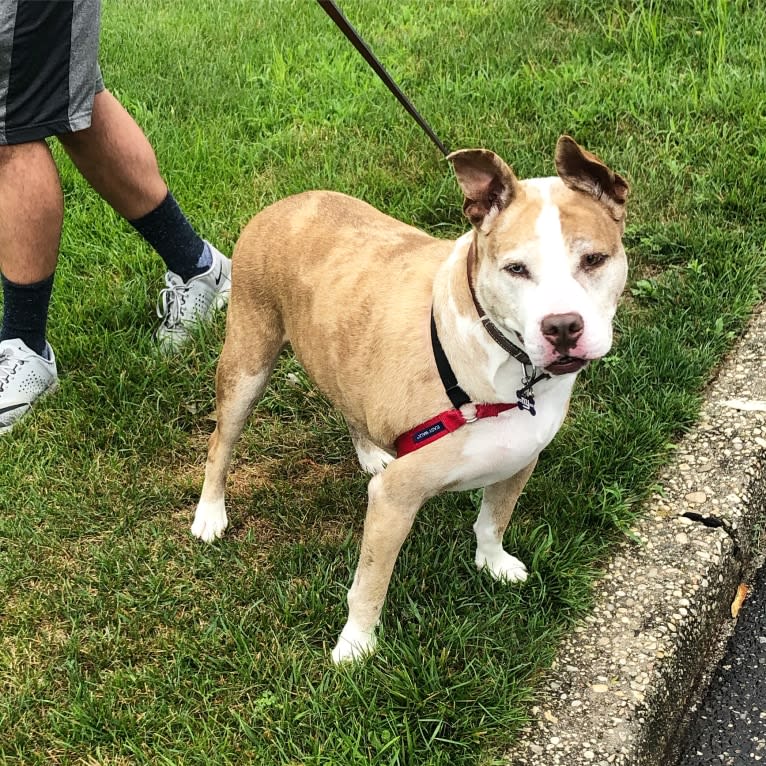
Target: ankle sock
25,312
169,232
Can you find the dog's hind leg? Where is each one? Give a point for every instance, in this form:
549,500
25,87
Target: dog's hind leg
497,505
243,372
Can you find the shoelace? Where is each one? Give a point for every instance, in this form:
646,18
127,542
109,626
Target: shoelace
8,365
171,302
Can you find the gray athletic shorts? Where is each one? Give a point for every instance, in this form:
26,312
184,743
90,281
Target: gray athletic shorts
49,70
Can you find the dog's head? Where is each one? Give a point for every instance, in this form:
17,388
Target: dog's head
550,265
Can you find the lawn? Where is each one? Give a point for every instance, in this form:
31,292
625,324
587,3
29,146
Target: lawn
125,641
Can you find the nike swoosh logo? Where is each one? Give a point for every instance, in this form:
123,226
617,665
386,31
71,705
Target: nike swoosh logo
13,407
220,274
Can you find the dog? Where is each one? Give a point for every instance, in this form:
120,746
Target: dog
452,361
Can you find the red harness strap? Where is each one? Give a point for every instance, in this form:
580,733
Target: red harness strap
443,424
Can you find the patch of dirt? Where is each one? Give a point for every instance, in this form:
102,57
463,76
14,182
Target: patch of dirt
250,476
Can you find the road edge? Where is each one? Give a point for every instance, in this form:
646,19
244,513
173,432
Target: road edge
619,688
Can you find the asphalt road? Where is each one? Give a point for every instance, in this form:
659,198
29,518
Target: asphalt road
729,728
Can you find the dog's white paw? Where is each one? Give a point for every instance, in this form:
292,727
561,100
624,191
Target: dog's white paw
353,644
209,520
502,566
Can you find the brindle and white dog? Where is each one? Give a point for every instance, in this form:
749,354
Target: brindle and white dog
518,305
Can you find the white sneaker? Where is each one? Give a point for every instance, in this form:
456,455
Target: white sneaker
24,377
185,304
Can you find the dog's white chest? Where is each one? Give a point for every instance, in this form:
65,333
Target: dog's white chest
497,448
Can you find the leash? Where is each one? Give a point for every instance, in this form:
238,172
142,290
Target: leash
332,10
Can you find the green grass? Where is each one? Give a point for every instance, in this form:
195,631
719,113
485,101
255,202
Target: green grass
124,641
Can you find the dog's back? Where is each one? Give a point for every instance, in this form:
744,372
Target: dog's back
321,264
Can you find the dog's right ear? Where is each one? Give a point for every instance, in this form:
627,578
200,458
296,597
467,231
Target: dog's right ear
488,185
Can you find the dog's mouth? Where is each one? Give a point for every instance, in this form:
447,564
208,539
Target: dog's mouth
566,364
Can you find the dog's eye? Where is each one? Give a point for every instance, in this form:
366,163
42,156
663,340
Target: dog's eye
517,269
593,260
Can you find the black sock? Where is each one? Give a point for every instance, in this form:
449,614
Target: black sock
25,312
168,231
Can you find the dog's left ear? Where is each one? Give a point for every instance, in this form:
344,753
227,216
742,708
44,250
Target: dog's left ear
488,185
582,171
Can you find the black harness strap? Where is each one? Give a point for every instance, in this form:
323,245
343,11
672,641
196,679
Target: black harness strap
456,395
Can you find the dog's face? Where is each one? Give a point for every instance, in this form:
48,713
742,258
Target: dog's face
550,265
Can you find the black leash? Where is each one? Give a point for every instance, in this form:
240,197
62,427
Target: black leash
332,10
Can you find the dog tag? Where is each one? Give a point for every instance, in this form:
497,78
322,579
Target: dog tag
526,400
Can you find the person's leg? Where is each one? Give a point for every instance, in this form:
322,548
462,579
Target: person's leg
48,67
48,70
116,158
31,212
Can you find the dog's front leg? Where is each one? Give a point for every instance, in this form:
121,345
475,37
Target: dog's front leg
497,505
394,498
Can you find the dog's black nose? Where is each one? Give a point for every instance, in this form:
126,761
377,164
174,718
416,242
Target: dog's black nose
562,331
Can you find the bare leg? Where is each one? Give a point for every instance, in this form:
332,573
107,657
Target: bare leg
116,159
31,212
497,505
